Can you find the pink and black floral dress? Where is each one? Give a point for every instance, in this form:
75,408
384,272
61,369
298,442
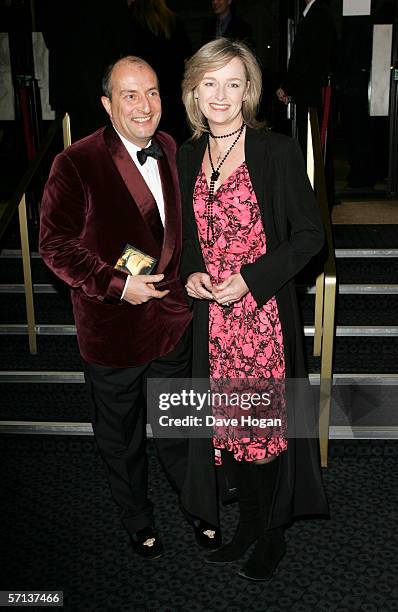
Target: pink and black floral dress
245,342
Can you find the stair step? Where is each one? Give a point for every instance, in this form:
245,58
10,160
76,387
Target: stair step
24,400
376,355
50,308
362,406
347,288
41,377
359,354
85,429
77,378
17,254
20,329
46,428
374,253
367,270
339,252
375,236
372,305
11,271
362,308
38,288
353,266
60,353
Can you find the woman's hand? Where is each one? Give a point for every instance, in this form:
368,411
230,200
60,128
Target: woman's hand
231,290
199,286
282,96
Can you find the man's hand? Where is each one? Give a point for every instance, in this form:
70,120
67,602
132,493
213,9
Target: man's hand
282,96
231,290
199,286
140,288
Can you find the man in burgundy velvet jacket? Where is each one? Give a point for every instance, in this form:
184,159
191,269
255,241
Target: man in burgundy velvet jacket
99,197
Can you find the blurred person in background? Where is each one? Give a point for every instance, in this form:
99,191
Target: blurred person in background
157,35
226,23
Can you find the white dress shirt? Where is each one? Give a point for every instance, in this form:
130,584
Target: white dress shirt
149,172
151,175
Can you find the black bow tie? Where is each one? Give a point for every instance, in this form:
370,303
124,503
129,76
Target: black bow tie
153,150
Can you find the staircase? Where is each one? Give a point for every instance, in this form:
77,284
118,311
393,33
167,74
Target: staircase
45,392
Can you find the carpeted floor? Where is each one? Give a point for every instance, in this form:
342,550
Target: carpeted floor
60,530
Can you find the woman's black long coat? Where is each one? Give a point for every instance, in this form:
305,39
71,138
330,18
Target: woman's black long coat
294,232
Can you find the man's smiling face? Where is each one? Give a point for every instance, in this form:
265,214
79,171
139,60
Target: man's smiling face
134,107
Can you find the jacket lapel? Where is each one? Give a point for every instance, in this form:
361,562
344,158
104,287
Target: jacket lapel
265,177
255,161
196,153
136,185
172,212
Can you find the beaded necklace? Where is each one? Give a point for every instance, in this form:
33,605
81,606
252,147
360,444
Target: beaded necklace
213,178
226,135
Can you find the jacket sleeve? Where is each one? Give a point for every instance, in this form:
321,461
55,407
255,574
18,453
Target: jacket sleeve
62,227
191,259
274,269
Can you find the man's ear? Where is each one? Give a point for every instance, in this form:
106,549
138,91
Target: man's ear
106,103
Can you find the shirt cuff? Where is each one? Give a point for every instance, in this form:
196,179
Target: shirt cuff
125,287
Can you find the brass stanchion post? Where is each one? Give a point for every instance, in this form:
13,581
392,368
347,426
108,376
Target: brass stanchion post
325,298
320,281
66,131
27,275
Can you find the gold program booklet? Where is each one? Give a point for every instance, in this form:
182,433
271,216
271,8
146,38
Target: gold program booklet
133,261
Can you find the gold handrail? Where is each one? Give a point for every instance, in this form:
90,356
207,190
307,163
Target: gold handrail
18,201
326,284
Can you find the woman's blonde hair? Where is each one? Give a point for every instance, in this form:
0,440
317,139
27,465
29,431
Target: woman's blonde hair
213,56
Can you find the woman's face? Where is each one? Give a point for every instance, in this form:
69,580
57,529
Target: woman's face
220,94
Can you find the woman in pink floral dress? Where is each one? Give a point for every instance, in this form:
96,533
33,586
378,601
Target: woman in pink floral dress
244,340
250,224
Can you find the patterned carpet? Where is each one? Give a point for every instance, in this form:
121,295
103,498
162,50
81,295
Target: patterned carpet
60,530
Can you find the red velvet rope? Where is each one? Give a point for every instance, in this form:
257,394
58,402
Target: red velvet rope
27,128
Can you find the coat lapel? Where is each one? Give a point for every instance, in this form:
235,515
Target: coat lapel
171,200
196,153
255,160
136,185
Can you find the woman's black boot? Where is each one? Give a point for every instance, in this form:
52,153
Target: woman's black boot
271,545
269,550
251,521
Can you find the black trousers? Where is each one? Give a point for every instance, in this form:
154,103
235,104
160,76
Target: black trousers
119,422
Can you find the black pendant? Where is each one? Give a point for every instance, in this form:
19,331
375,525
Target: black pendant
214,175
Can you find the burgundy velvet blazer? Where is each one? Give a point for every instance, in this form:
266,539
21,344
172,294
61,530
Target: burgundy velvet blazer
94,202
